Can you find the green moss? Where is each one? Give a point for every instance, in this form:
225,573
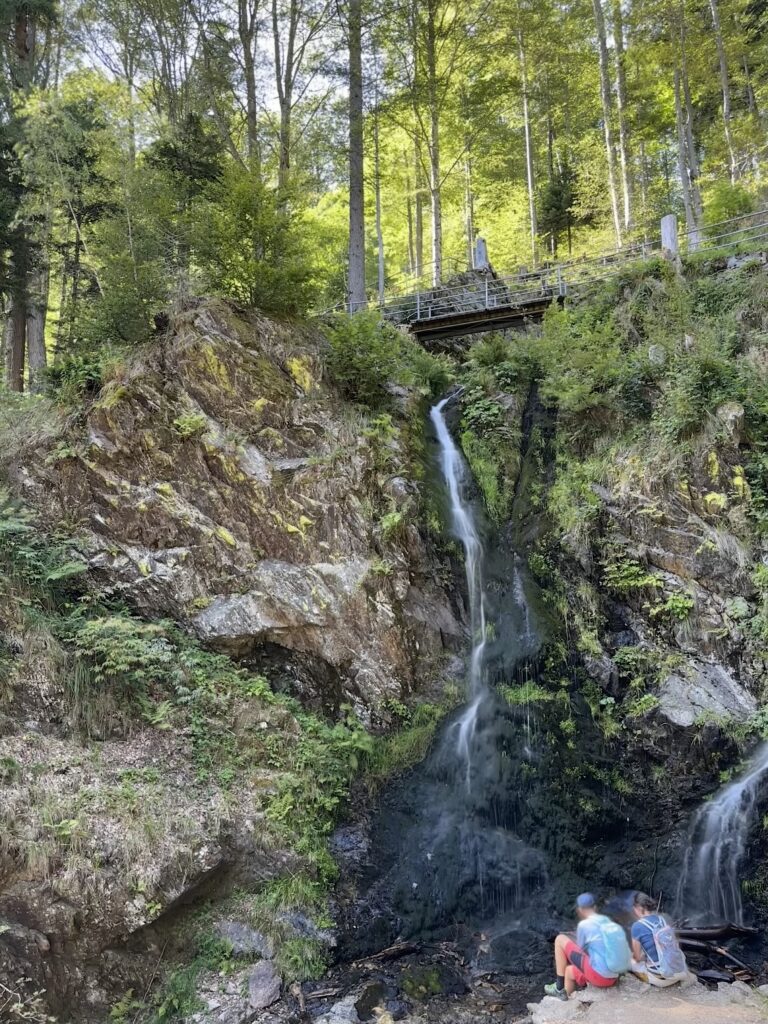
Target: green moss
224,534
214,368
408,745
527,693
422,983
300,371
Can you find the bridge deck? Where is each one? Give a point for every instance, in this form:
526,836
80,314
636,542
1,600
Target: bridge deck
447,325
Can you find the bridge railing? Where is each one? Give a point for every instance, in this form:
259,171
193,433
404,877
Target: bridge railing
487,291
745,230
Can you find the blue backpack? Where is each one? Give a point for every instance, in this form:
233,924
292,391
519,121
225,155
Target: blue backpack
618,958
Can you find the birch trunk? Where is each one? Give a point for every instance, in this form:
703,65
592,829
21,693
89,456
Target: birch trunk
621,103
725,86
434,147
377,185
357,297
605,96
528,148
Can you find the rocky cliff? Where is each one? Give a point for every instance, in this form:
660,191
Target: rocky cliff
216,483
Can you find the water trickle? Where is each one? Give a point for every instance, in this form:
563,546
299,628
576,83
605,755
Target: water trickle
709,887
465,529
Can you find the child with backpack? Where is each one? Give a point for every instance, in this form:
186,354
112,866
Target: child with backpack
658,958
597,957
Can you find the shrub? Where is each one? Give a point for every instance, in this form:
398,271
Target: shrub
190,424
366,355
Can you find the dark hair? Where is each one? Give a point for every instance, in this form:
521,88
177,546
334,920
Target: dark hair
642,899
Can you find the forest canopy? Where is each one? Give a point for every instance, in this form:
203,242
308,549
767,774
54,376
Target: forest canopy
298,154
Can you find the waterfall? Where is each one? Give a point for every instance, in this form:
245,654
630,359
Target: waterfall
464,528
709,887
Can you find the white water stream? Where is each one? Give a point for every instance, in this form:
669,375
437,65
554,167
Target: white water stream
710,885
463,525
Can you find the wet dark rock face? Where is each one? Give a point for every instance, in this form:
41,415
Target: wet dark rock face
490,859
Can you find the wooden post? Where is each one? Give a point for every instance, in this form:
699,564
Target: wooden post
669,244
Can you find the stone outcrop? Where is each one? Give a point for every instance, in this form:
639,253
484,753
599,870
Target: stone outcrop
219,482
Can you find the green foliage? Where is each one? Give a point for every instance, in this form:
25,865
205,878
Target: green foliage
45,567
302,959
408,745
191,424
317,773
125,653
368,355
626,575
642,705
490,427
178,996
365,356
251,247
676,606
527,693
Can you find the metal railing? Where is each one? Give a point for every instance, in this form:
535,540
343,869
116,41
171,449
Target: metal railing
415,302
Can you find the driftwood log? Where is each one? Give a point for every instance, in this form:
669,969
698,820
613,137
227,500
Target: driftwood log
711,933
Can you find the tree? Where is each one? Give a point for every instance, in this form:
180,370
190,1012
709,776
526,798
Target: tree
605,96
357,298
22,23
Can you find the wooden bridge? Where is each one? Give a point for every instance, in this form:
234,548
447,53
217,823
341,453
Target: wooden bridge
473,301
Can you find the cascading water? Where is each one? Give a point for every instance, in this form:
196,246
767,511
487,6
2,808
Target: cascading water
709,888
463,526
448,832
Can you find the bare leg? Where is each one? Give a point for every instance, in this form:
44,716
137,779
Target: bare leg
561,960
570,980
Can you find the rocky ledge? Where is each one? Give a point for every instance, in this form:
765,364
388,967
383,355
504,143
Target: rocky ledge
632,1002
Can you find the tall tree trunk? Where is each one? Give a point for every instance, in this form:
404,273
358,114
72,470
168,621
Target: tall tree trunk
469,211
377,185
409,218
644,188
435,183
605,96
528,148
37,311
15,343
284,81
418,214
621,103
751,99
691,223
356,183
690,141
284,159
725,85
247,30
